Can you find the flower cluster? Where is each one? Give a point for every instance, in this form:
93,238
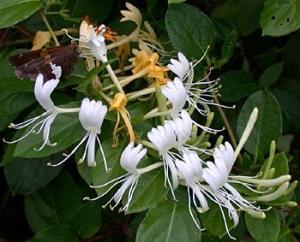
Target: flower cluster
203,170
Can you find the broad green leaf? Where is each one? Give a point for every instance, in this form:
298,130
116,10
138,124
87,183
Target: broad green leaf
291,58
228,46
14,11
25,176
285,235
14,102
11,105
281,164
83,86
237,85
264,229
8,80
271,75
65,130
268,126
98,10
57,233
280,17
142,198
87,221
290,106
58,203
175,1
168,221
244,14
213,220
112,154
186,36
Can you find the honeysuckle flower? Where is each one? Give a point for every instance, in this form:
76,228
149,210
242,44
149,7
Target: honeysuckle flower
184,89
164,139
43,122
91,116
182,68
130,158
216,175
190,172
175,92
132,14
97,43
119,104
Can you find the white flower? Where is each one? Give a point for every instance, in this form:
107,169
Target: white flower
182,126
91,116
216,175
42,92
175,92
164,139
184,89
93,38
97,43
130,158
190,170
182,67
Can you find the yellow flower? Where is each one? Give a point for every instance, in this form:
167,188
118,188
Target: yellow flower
118,103
146,61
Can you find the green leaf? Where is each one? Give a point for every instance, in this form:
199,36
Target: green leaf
244,14
237,85
57,233
8,80
290,106
83,86
213,221
170,222
271,75
14,102
268,126
87,221
112,154
281,165
25,176
280,17
228,46
65,130
11,105
264,229
14,11
142,198
58,203
175,1
97,10
186,36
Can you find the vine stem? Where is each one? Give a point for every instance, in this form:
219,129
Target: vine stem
226,122
49,28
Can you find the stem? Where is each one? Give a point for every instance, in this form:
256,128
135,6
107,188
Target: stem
140,93
129,79
68,110
147,144
150,167
226,122
114,78
49,28
157,114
